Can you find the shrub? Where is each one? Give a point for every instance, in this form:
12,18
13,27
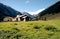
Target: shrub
15,24
7,34
16,29
36,27
50,35
50,28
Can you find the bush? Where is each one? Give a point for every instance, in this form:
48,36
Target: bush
7,34
50,28
36,27
16,29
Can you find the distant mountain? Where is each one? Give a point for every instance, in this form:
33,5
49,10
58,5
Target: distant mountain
31,16
36,12
7,11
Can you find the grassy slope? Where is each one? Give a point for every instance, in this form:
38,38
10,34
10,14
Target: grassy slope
30,30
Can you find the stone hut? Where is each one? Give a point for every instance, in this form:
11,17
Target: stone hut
9,19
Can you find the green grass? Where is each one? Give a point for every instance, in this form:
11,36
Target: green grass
30,30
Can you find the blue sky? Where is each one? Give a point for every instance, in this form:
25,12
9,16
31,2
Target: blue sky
28,5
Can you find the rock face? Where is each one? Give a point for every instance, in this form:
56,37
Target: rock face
7,11
52,12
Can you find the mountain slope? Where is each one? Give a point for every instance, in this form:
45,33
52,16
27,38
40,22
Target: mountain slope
55,8
7,11
50,11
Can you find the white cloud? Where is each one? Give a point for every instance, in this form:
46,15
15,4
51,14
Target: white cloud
27,1
36,12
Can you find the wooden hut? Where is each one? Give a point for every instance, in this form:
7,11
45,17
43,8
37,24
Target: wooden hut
22,18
